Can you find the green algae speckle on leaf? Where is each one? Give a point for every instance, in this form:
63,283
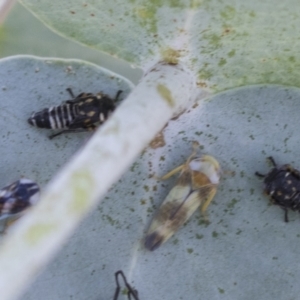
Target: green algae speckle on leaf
175,242
199,236
38,232
147,17
166,94
232,203
222,62
228,12
82,184
239,231
190,250
205,74
143,201
257,50
110,220
215,234
231,53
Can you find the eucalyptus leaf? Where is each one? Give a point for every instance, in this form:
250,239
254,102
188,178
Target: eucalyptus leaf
133,30
22,33
77,188
30,84
226,44
246,251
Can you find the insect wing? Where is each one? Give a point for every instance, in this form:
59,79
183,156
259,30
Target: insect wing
87,114
196,185
192,190
177,208
167,221
92,111
81,122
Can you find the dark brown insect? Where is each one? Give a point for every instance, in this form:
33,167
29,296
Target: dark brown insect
82,113
17,197
282,184
130,291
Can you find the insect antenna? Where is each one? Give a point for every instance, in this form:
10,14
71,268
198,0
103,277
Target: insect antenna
131,291
69,90
271,159
195,148
259,175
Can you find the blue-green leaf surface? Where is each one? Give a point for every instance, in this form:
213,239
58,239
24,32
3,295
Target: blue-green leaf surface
30,84
246,251
226,43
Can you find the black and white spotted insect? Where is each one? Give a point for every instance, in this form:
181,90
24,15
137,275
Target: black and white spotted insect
282,184
130,290
17,197
82,113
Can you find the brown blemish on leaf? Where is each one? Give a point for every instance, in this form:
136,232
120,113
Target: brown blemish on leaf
158,141
202,84
177,116
195,105
227,31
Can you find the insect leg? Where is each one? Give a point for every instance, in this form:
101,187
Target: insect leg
134,295
73,127
208,200
271,159
117,95
4,228
70,131
69,90
179,168
118,285
131,291
286,218
259,175
56,134
195,148
172,172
